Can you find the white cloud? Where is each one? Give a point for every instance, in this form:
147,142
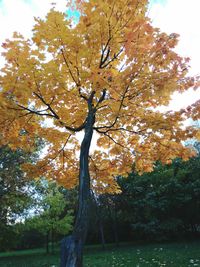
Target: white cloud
182,17
18,15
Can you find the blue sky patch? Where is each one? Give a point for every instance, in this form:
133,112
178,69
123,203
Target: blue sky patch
162,2
73,14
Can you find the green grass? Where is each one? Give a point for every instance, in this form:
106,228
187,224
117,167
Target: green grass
159,255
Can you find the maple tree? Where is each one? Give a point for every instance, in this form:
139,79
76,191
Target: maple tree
107,74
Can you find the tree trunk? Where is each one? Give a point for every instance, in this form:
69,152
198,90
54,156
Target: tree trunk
47,242
113,217
102,234
72,246
99,220
52,241
115,228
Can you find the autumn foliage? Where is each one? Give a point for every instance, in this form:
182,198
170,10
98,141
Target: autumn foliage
115,58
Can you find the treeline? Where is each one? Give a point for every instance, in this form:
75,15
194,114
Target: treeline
158,206
32,213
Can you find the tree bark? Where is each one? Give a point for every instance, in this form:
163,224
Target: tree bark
115,228
99,221
113,217
52,241
72,246
47,242
102,234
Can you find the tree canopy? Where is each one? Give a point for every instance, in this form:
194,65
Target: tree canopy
15,196
54,213
15,192
114,65
160,205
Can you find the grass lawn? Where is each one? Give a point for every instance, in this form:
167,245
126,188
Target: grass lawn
175,255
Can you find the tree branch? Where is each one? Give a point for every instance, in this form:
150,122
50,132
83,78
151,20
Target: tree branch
112,59
48,105
38,112
90,100
59,151
81,95
67,64
30,111
117,117
101,99
106,134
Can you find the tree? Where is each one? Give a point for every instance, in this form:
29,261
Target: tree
106,74
163,204
15,197
13,194
53,218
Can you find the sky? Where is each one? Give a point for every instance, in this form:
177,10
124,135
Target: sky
180,16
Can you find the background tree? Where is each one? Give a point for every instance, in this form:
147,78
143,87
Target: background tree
15,192
162,205
107,74
53,217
